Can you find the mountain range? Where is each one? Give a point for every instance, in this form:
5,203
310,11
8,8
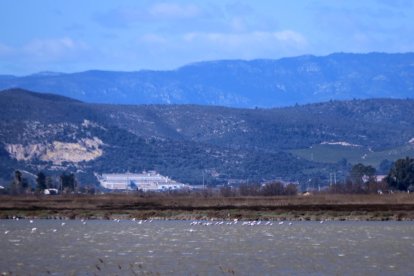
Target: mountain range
301,143
236,83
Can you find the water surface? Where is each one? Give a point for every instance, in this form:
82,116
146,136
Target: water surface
182,248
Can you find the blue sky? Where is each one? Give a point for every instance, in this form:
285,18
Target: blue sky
126,35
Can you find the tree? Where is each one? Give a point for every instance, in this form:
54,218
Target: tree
67,182
16,186
49,182
361,174
291,189
273,189
249,189
25,185
41,181
385,166
401,175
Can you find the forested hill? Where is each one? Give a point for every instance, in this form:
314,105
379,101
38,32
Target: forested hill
54,133
374,123
238,83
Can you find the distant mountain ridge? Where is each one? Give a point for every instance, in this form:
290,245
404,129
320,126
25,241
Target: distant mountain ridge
238,83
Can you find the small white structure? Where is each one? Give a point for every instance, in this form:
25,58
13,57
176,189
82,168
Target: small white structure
51,191
377,178
146,181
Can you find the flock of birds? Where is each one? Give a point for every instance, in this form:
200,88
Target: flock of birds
236,221
196,222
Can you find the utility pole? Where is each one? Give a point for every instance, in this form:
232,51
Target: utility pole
203,181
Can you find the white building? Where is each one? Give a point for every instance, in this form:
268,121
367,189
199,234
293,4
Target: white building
146,181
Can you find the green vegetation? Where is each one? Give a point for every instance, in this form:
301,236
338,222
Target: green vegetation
19,184
353,155
401,176
41,182
188,142
360,197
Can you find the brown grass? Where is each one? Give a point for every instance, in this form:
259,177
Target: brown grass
399,206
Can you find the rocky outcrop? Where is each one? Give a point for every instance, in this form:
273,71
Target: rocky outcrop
86,149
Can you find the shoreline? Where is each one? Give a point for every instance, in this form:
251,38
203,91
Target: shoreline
274,216
398,207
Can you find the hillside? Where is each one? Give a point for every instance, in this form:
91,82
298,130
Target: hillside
52,133
376,124
55,133
238,83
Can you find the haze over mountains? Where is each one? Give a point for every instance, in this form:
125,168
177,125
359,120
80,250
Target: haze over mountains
237,83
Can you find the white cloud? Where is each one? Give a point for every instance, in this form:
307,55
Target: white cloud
51,49
51,54
286,38
291,37
168,51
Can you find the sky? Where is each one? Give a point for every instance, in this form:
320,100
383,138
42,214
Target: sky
131,35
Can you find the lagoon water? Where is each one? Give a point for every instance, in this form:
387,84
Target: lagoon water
102,247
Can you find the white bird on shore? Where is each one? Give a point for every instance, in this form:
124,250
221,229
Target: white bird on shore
54,230
62,224
34,229
281,222
31,221
6,232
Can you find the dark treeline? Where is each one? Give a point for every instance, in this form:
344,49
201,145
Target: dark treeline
362,179
65,183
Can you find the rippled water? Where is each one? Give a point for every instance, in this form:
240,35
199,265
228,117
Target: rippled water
180,248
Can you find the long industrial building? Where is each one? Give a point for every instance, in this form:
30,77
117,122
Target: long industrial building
146,181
